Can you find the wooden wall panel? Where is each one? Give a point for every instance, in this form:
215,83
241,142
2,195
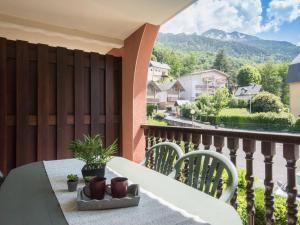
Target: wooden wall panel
3,104
43,104
22,74
49,96
79,94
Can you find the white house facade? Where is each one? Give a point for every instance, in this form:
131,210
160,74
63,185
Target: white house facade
158,71
198,83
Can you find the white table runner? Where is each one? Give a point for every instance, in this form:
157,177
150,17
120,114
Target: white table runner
151,211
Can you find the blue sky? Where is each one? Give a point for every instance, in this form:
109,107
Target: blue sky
268,19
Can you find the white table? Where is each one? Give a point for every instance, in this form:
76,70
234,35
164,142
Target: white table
178,194
26,196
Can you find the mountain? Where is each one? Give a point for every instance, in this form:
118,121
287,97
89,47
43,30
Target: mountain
225,36
246,47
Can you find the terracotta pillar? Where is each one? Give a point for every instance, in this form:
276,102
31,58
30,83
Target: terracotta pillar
136,54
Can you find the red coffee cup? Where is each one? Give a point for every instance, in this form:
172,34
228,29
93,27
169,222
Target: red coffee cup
97,187
119,186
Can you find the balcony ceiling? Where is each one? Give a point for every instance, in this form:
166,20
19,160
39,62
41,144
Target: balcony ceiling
93,25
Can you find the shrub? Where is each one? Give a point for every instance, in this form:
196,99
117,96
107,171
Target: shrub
279,205
243,103
296,127
150,109
238,103
186,110
159,116
267,102
233,103
242,119
279,208
248,75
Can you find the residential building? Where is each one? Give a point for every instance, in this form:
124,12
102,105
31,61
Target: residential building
158,71
294,85
170,92
247,92
202,82
152,91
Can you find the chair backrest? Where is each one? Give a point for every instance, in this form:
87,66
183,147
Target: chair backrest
162,157
203,170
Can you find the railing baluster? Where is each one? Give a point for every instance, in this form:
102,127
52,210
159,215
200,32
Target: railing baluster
291,154
206,141
219,143
249,148
233,145
165,135
196,139
190,138
187,138
159,134
146,133
178,138
268,150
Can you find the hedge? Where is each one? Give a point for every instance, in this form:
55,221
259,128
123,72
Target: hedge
259,204
296,127
207,118
264,121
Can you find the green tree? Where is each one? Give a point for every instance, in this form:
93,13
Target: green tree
221,99
221,61
189,63
283,72
270,78
204,103
213,104
248,75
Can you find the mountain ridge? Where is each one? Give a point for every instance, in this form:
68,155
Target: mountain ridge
228,36
236,44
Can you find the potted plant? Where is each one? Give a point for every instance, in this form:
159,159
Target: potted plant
94,154
86,188
72,182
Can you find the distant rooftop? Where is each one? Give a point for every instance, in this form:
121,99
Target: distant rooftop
207,71
248,90
159,65
168,85
294,70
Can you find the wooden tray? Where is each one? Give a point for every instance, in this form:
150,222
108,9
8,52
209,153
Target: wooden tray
85,203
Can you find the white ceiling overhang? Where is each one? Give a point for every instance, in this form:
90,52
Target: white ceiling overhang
90,25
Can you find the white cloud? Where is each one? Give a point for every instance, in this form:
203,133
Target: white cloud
233,15
280,11
228,15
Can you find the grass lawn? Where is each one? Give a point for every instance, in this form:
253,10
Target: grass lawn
152,121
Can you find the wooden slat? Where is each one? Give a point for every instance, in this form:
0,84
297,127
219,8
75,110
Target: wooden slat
3,108
95,94
61,105
43,103
22,71
109,101
44,94
79,94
